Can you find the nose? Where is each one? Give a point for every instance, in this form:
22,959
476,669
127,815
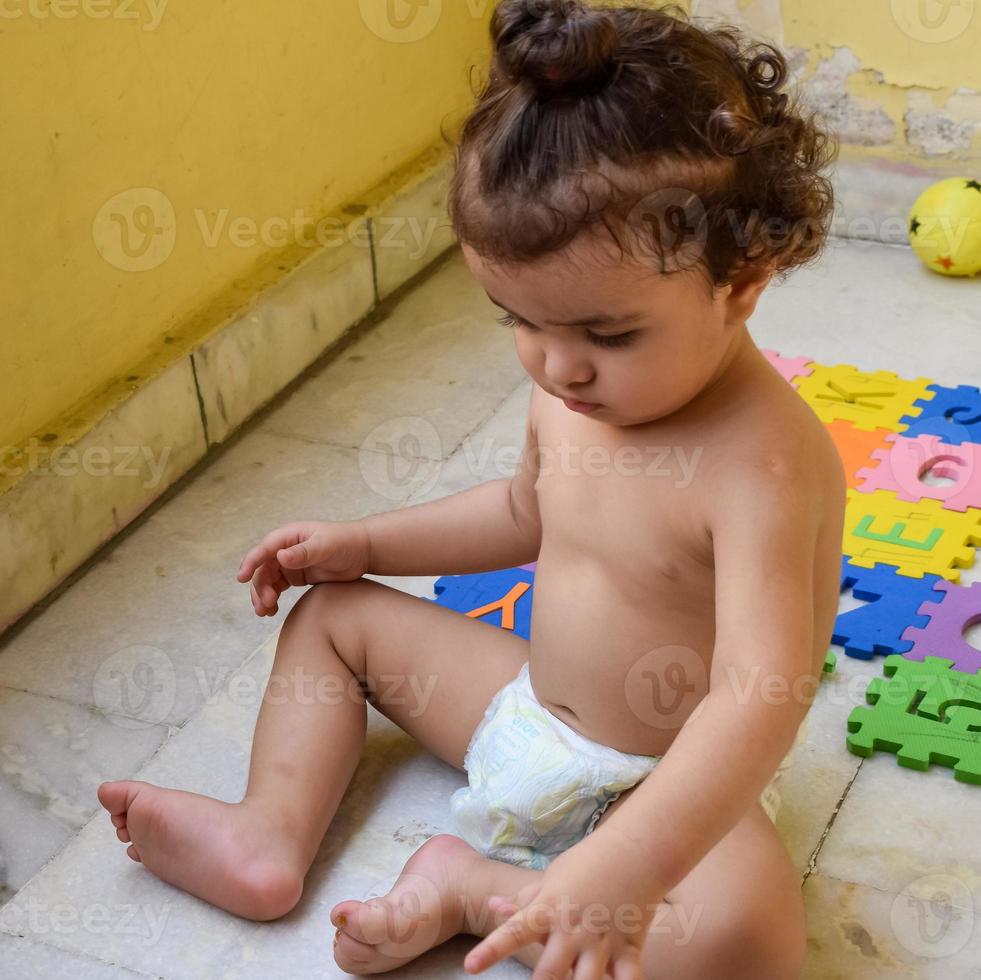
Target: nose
565,366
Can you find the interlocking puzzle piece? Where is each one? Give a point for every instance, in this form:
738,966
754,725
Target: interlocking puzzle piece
829,662
953,610
893,604
502,598
791,368
855,446
915,537
953,414
924,712
906,460
869,401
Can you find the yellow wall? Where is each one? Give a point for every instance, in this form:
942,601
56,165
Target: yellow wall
265,108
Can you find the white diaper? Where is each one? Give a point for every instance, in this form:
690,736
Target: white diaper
536,786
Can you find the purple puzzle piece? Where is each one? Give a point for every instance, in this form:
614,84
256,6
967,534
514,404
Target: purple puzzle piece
943,636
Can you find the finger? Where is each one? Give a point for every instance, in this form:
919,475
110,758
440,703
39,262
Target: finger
626,965
257,603
504,941
592,961
265,550
558,957
263,581
296,556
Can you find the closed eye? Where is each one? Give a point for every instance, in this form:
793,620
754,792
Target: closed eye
600,340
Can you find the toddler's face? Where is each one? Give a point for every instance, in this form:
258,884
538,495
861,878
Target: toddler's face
663,342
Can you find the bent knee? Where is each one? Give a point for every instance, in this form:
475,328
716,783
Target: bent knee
766,944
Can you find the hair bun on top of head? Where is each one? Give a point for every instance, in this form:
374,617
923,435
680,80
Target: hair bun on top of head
562,48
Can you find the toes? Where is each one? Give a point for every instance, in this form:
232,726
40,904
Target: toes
118,820
117,796
353,952
133,853
123,834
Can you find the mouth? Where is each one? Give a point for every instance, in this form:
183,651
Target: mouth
578,406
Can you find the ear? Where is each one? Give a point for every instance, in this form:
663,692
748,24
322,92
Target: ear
744,292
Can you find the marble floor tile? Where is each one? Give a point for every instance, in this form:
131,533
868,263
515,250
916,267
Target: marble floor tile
53,755
426,376
23,958
856,931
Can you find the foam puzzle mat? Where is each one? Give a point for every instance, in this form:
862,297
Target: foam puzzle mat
907,537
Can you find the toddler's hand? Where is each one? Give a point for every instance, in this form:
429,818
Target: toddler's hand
304,553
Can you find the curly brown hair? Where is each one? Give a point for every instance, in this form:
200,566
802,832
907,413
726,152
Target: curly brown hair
677,138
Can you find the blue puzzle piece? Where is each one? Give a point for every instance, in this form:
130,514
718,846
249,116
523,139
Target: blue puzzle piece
953,414
893,603
464,593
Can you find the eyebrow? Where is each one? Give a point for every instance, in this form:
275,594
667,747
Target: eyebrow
595,320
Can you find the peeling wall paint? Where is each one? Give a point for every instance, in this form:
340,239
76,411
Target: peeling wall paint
898,79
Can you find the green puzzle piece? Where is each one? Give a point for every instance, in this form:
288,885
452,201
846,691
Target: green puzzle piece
924,712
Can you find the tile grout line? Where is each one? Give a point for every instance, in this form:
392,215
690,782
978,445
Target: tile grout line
43,944
201,409
812,860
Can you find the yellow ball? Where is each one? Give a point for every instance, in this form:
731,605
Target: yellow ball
945,226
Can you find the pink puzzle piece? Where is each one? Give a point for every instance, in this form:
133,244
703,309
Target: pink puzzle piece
906,460
957,608
790,368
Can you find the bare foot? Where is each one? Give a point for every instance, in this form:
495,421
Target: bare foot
229,854
425,907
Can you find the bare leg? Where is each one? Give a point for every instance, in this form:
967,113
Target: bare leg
738,914
251,857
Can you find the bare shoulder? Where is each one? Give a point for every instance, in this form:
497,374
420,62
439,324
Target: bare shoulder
780,455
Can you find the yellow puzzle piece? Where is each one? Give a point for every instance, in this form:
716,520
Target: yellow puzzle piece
919,538
866,400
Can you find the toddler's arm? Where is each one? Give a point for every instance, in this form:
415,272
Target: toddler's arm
490,526
763,679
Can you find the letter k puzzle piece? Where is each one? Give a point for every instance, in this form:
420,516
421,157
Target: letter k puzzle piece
868,401
915,537
924,712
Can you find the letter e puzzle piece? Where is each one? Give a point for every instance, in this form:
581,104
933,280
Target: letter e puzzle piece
953,414
916,537
925,713
954,609
867,400
903,463
893,601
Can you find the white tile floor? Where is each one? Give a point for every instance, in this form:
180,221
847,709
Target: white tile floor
891,858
